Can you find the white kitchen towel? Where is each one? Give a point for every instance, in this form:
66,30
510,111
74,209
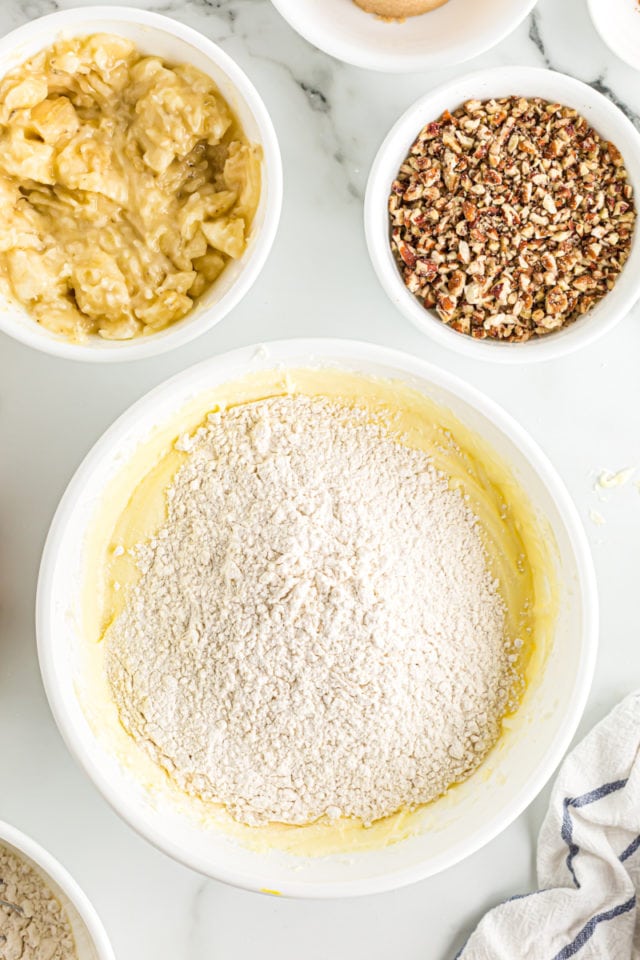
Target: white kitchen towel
588,859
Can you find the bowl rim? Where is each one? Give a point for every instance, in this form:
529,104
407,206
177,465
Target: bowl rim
382,172
342,352
61,876
390,62
185,330
595,20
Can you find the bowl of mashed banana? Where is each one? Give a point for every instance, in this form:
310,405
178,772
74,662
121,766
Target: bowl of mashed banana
317,618
140,184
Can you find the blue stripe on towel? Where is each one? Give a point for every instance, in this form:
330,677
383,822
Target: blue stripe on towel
567,835
589,928
567,822
630,850
522,896
599,793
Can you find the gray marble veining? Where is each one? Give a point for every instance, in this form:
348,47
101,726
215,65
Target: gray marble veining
330,119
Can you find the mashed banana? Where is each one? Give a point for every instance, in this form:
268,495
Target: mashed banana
126,187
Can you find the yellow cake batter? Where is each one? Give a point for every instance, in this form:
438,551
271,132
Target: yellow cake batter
133,508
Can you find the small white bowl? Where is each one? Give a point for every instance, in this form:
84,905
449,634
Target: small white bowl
477,810
458,31
618,23
607,119
91,939
171,40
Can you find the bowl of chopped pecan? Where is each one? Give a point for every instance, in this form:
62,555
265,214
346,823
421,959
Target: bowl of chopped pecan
501,214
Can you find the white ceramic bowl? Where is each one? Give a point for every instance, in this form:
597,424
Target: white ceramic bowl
458,31
155,34
607,119
486,803
91,939
618,23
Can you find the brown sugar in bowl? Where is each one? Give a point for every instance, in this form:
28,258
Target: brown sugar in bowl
399,9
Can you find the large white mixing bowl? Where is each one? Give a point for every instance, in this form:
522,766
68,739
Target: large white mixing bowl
475,811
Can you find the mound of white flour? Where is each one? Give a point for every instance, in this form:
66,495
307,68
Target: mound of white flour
315,630
33,924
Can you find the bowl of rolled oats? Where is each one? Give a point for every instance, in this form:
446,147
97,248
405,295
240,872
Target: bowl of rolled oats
140,184
43,911
501,214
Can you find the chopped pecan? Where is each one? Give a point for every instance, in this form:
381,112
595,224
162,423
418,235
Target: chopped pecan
556,301
511,217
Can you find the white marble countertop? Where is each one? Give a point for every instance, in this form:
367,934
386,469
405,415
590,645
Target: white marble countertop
583,410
